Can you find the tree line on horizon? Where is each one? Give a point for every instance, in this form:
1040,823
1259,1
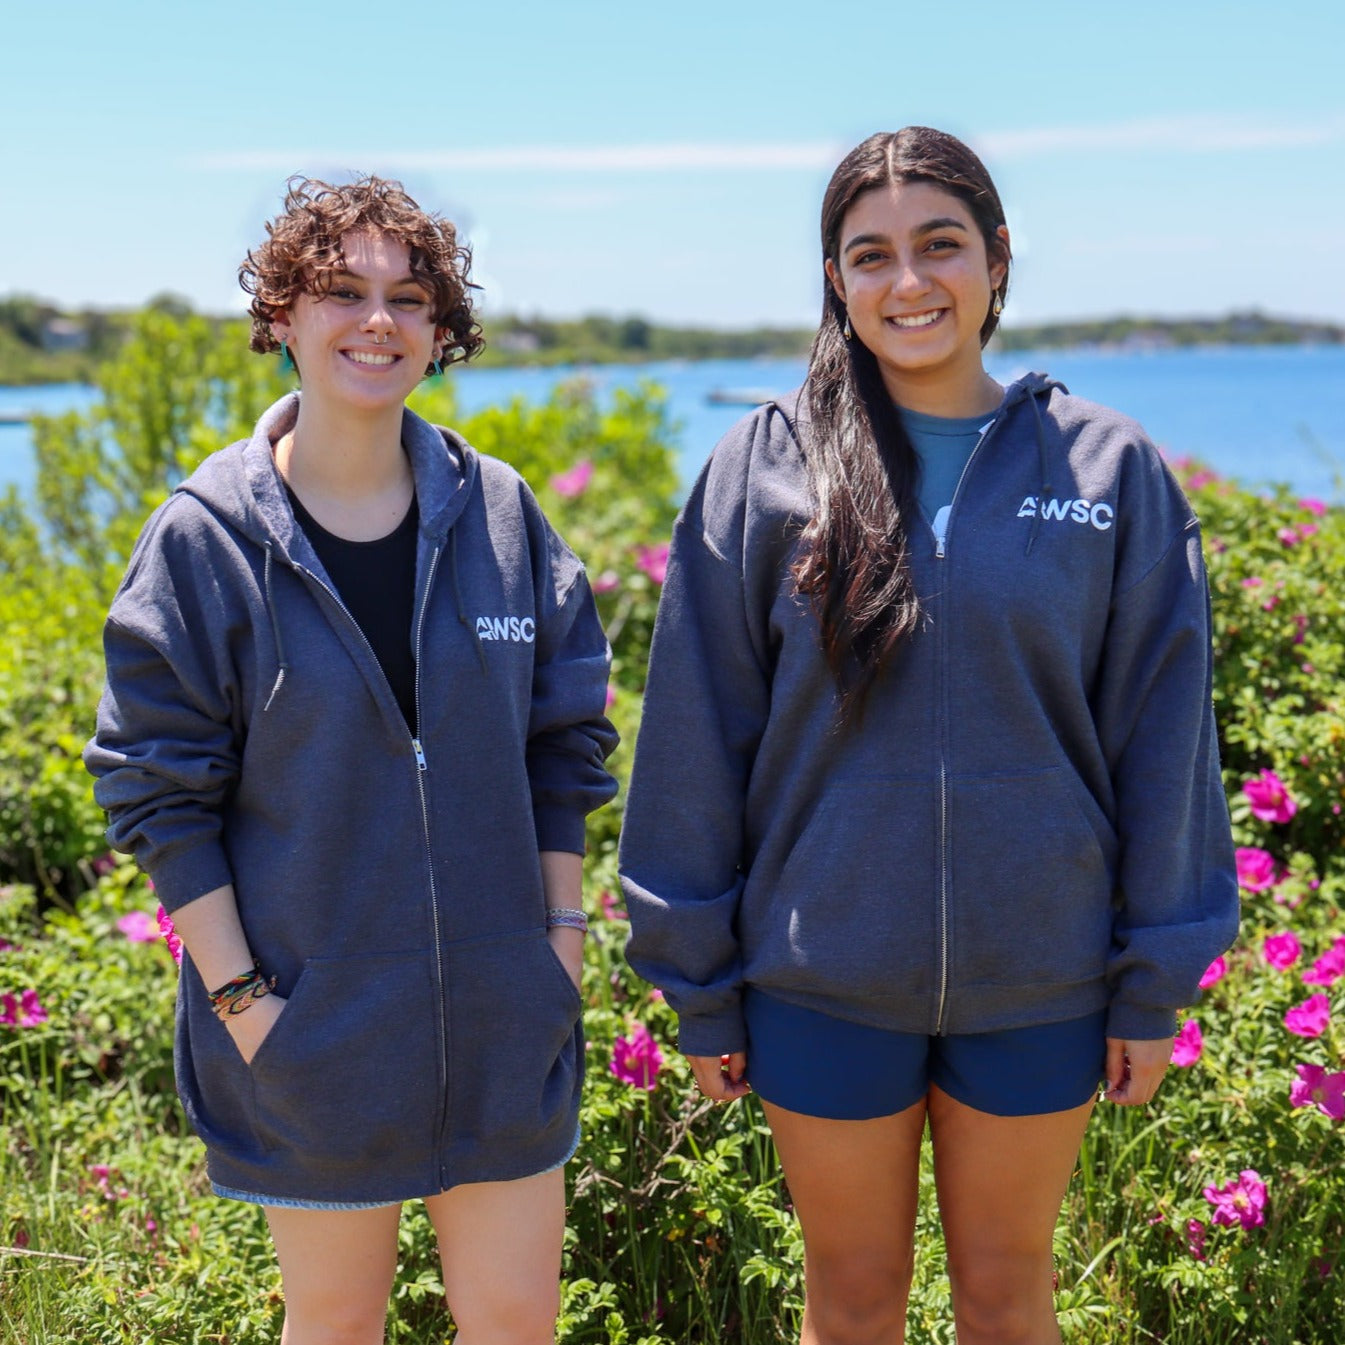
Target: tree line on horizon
42,343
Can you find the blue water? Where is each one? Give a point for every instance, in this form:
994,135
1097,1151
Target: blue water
1259,413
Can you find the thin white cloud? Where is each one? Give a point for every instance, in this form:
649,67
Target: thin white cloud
1176,134
557,158
1171,134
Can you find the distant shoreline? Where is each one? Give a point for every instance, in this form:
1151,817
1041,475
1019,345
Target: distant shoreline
39,344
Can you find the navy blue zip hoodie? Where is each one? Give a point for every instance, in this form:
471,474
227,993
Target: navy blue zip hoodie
1027,826
248,735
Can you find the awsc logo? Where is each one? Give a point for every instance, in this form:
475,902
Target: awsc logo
520,629
1101,515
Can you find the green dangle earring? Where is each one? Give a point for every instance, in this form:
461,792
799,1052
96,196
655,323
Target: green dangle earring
287,363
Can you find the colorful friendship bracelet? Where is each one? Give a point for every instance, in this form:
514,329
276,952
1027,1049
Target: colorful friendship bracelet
240,993
566,917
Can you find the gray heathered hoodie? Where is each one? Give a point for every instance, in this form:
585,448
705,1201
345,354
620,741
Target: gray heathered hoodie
1029,824
247,734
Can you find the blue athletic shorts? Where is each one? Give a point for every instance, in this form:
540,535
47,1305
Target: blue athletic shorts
822,1066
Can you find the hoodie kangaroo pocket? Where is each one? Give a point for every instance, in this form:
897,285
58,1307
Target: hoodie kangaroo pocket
516,1048
1032,877
853,909
350,1071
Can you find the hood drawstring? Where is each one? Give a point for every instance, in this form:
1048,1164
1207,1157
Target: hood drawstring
457,600
275,630
1046,489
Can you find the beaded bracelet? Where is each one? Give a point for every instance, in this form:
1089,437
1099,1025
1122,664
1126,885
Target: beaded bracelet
241,993
566,917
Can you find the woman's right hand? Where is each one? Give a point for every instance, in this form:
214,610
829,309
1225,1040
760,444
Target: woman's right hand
251,1027
721,1077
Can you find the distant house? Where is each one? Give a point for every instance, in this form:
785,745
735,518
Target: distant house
64,334
520,340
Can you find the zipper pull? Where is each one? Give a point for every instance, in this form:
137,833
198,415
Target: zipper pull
938,550
420,754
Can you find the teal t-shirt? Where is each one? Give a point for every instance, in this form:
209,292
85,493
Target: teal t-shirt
943,444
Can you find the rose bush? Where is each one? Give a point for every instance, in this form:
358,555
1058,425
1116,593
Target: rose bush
1215,1215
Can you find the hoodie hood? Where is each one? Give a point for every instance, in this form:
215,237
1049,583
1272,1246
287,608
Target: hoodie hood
245,489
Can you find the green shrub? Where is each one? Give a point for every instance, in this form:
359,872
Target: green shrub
680,1228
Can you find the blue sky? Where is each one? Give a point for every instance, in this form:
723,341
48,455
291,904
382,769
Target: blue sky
669,159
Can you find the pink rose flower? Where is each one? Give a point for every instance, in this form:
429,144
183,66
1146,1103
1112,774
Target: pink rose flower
138,927
653,560
1282,950
1256,868
1313,506
606,582
1316,1088
1328,968
170,935
1309,1019
1195,1238
611,907
1270,798
1214,973
1188,1044
1240,1202
1300,627
22,1010
1255,581
1306,530
573,483
1288,536
636,1060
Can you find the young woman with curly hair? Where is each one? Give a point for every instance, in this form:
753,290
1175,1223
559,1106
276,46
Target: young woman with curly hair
353,723
925,826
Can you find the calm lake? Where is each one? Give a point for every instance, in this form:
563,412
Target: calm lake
1259,413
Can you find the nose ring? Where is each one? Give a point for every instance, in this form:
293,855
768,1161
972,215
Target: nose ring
381,340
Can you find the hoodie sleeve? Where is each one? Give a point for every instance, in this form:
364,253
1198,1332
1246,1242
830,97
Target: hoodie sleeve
1178,898
165,750
705,708
569,734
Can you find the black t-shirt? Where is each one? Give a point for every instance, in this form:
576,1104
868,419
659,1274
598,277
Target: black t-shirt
377,582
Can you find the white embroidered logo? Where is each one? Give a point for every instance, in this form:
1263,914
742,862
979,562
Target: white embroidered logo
518,629
1100,515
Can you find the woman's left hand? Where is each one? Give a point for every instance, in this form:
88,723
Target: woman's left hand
1135,1069
568,946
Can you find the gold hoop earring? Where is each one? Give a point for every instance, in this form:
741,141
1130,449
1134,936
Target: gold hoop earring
998,306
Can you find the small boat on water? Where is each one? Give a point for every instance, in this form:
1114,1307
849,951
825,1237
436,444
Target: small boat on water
739,396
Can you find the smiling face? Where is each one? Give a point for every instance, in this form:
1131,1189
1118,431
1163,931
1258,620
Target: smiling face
915,278
365,343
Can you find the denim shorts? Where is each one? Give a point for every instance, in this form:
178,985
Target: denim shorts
289,1203
817,1065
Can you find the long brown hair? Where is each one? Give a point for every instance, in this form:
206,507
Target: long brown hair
854,563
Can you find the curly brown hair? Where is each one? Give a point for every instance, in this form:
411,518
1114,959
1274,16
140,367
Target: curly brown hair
303,255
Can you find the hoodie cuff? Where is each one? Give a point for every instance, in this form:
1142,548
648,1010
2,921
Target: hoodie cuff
721,1033
182,875
1140,1022
560,829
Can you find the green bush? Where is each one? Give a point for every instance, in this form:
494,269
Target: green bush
680,1229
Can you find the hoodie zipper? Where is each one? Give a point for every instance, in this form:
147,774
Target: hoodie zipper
940,552
422,765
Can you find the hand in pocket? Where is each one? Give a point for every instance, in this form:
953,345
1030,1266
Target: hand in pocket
252,1027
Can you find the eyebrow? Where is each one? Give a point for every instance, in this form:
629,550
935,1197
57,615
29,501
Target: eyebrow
928,227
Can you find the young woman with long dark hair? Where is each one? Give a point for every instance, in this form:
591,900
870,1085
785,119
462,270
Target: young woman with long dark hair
353,723
926,825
